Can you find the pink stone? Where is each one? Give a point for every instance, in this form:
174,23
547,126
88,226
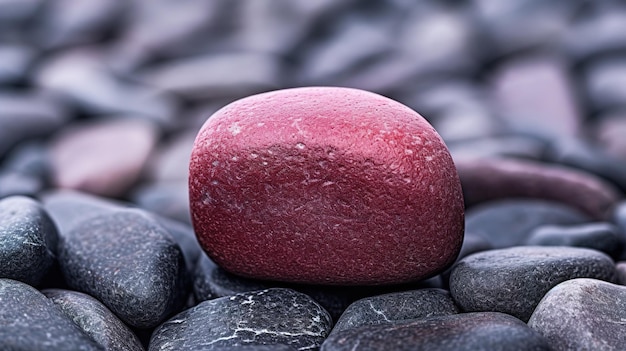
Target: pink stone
325,186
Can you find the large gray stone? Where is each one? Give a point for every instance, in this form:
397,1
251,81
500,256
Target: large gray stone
28,240
129,262
95,320
482,331
514,280
582,314
264,317
29,321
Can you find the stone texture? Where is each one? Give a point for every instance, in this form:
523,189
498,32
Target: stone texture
140,270
265,317
582,314
394,308
496,178
28,240
604,237
509,222
485,331
278,189
29,321
95,320
514,280
103,158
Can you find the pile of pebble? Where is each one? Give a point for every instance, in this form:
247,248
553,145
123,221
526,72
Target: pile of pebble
100,102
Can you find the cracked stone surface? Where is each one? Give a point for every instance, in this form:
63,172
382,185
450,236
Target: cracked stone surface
28,240
129,262
395,307
478,331
95,320
514,280
582,314
264,317
29,321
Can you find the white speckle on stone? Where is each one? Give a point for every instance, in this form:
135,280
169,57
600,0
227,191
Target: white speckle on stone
300,146
264,163
215,182
234,129
429,158
235,158
408,152
254,155
215,163
328,183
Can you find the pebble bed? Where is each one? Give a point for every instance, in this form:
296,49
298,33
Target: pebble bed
100,103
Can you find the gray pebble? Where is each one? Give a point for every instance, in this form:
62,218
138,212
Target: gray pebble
620,268
604,79
514,280
95,320
15,61
28,240
582,314
508,222
167,199
604,237
129,262
396,307
273,316
29,321
480,331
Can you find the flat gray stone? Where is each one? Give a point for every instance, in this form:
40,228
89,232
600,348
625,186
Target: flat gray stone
264,317
601,236
140,270
482,331
29,321
514,280
28,240
95,320
582,314
396,307
508,222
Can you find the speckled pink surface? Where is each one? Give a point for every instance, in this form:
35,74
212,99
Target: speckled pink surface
325,186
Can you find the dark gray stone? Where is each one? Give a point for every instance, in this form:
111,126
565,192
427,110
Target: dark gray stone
29,321
29,158
603,237
28,240
497,146
211,281
597,34
168,199
18,10
185,237
514,280
396,307
582,314
507,223
473,243
95,320
483,331
140,270
273,316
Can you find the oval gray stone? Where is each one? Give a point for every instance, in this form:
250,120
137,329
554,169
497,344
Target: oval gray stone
505,223
129,262
28,239
95,320
488,331
582,314
514,280
29,321
604,237
264,317
396,307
